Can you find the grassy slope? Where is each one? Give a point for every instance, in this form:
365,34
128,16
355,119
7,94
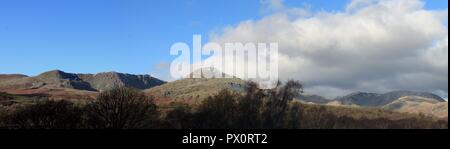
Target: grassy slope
189,90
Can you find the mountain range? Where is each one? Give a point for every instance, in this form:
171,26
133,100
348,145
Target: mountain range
87,82
403,101
63,85
190,90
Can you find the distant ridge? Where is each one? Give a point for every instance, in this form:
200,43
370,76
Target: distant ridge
378,100
108,80
6,77
88,82
315,99
61,79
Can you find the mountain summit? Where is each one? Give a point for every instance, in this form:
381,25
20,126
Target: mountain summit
208,72
108,80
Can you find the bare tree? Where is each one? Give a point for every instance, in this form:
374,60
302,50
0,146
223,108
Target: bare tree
121,108
275,108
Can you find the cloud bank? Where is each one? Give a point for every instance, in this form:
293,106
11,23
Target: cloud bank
372,45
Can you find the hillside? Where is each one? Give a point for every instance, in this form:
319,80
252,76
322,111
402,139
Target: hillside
58,84
402,101
109,80
191,89
416,104
379,100
6,77
313,99
57,79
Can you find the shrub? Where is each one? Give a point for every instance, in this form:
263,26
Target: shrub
249,108
5,96
277,103
121,108
47,115
217,112
179,118
253,110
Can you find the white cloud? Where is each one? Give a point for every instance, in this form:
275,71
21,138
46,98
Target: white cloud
356,4
271,5
331,92
373,46
277,6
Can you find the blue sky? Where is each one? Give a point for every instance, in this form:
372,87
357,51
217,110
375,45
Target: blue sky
132,36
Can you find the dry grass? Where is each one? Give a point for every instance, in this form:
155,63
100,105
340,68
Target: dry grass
193,91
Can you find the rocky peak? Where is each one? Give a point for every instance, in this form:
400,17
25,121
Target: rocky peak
92,82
